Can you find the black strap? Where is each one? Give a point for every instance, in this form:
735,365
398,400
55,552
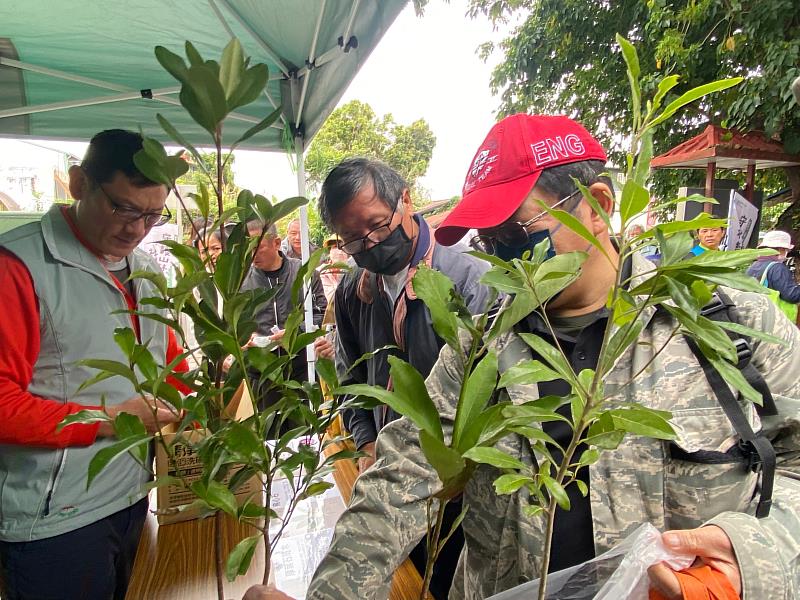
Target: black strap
721,309
763,448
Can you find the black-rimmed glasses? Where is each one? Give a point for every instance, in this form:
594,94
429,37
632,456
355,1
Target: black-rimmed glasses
512,234
128,214
376,236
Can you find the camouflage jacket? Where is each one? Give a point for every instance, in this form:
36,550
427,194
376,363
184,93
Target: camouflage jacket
638,482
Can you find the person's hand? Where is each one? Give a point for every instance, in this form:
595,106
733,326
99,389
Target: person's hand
278,335
264,592
711,546
144,409
365,462
227,363
323,348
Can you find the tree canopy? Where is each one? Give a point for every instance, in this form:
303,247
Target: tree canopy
561,57
355,130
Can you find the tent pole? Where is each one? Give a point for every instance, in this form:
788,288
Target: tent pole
711,170
750,186
305,251
257,38
312,57
29,110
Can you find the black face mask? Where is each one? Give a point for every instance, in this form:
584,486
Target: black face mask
389,256
507,252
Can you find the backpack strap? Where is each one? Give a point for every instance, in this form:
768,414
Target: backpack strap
756,450
723,310
753,450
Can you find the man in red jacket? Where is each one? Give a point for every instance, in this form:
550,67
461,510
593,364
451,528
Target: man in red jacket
64,287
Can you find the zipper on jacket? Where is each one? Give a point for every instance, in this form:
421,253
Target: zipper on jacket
51,488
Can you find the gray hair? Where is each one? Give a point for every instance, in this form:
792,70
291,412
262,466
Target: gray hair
349,177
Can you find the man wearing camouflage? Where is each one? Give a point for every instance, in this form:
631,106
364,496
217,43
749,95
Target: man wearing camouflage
705,509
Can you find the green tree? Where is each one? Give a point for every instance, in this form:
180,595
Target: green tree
200,171
561,57
355,130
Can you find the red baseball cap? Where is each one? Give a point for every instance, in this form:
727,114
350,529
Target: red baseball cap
507,166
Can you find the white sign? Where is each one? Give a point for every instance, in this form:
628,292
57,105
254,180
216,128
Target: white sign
153,246
742,218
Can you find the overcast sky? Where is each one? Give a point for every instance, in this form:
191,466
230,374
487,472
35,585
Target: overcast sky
424,67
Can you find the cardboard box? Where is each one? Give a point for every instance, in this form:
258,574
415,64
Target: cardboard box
171,498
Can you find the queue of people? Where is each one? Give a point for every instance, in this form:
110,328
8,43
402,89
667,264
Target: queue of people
64,280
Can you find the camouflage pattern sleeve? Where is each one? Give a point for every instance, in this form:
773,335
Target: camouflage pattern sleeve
386,517
768,550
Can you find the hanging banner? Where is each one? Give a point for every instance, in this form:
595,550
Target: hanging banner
742,218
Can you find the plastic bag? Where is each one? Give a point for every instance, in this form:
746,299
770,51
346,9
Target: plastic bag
620,573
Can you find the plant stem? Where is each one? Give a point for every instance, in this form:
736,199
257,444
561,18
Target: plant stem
548,547
267,548
433,549
218,554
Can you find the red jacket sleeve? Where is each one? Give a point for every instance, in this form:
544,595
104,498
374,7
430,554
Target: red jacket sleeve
173,351
26,419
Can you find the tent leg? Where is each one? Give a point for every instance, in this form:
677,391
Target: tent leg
711,170
750,186
305,250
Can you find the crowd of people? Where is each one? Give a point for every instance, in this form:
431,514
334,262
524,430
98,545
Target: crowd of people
64,287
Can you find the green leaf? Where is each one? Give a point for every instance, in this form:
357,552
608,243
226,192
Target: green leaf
610,440
633,70
230,67
112,366
641,172
734,377
584,489
242,441
445,461
157,279
510,483
202,201
193,55
409,399
177,136
316,488
588,457
251,85
216,495
477,392
550,355
203,97
664,86
327,370
172,63
556,491
260,126
692,95
634,200
592,201
434,289
494,457
576,226
642,421
752,333
84,417
240,557
527,373
125,339
111,453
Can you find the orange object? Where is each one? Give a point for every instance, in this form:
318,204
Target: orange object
701,583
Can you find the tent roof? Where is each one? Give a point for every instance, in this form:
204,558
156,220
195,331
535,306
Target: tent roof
67,74
729,149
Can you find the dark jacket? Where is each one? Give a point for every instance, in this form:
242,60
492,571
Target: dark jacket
276,311
779,277
364,323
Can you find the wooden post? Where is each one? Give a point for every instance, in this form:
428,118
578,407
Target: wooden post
750,186
711,170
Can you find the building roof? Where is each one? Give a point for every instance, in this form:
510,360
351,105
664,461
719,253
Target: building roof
729,149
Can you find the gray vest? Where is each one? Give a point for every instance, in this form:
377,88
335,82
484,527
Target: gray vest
42,490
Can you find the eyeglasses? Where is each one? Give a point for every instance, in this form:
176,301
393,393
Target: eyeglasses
512,234
376,236
128,214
